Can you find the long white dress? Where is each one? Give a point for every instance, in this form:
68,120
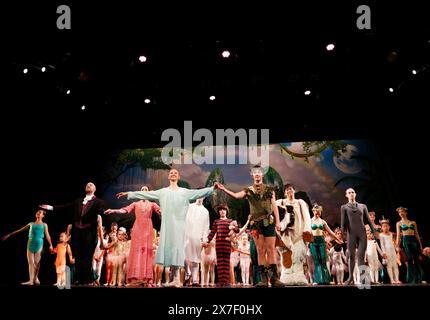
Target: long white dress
387,246
196,231
294,241
174,207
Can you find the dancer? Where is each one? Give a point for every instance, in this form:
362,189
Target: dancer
174,202
37,231
387,246
139,264
220,228
372,259
264,223
196,232
318,246
412,245
61,250
245,259
352,216
377,227
85,230
296,231
208,264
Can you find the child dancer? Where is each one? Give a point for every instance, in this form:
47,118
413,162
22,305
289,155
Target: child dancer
61,249
387,246
220,228
37,231
245,259
372,257
208,264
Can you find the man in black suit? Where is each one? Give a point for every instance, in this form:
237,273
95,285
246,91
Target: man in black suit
84,235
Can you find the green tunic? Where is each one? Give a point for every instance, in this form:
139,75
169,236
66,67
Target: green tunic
174,206
260,201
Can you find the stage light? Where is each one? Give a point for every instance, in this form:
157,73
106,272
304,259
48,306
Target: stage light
225,54
142,59
43,69
307,92
414,71
391,89
25,70
330,47
212,98
83,108
147,101
68,92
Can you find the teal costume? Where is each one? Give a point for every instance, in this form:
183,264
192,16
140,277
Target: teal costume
35,237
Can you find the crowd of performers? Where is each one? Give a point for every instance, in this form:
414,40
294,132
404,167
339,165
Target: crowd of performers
270,249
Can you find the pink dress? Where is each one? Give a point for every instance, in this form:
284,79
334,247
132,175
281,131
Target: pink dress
139,264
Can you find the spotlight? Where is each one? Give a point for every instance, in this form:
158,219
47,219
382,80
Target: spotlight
307,92
225,54
330,47
83,108
68,92
43,69
142,59
147,101
414,71
25,70
212,98
391,89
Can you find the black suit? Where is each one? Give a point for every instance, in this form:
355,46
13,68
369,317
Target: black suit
84,235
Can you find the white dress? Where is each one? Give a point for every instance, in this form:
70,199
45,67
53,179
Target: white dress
387,247
372,255
196,231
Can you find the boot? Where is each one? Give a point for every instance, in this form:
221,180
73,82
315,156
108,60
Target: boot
274,278
263,277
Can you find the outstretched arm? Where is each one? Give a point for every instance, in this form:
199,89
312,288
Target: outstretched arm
237,195
330,232
193,195
26,227
140,195
111,211
56,207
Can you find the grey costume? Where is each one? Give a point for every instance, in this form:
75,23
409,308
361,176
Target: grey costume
352,221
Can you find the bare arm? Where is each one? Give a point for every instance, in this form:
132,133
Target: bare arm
237,195
111,211
330,232
242,230
27,226
398,234
48,237
417,235
276,212
69,252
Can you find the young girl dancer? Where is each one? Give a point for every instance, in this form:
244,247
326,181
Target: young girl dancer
37,231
